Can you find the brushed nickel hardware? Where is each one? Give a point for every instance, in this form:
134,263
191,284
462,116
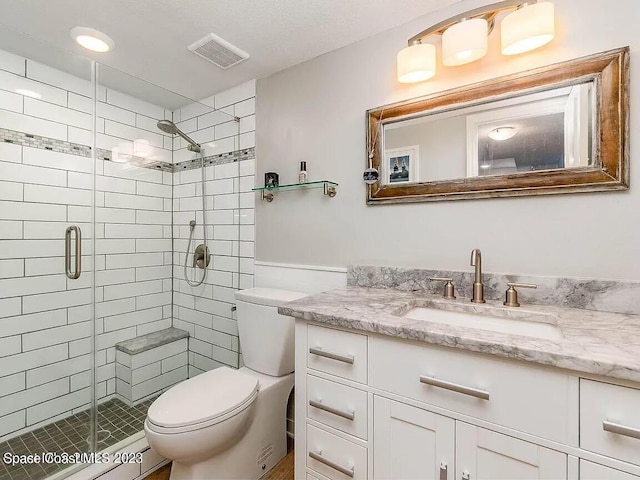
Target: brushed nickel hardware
454,387
201,257
333,356
321,406
511,294
613,427
443,471
349,472
466,476
478,287
73,274
449,288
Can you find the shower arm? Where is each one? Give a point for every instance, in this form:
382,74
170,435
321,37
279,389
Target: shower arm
194,147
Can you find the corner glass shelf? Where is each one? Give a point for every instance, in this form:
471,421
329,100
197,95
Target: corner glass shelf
268,193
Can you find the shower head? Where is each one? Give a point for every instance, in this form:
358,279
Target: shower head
167,126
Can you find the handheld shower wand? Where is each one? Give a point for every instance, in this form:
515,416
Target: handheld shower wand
201,255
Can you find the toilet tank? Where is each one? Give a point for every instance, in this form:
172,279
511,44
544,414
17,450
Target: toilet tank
266,337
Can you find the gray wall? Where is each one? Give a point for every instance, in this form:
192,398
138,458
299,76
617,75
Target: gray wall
443,149
315,111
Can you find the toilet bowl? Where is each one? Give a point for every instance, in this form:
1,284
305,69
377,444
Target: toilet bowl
228,423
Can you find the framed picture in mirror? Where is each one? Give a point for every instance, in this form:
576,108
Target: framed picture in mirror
401,164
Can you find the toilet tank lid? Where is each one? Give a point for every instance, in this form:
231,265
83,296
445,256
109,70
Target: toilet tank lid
272,297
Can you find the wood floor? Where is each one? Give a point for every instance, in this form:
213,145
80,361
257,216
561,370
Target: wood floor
282,471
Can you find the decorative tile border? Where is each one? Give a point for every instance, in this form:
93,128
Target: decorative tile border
230,157
62,146
589,294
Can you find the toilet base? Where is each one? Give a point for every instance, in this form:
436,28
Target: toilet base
263,445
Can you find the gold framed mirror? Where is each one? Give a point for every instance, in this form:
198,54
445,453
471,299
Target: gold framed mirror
561,128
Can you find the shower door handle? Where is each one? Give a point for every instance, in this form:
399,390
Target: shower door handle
73,274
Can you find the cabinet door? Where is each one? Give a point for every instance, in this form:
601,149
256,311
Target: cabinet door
410,443
485,455
593,471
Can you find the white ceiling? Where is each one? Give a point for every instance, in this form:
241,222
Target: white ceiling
151,36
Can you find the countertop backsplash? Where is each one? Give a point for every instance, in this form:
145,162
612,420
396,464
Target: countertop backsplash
590,294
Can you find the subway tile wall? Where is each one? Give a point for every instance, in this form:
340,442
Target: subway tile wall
45,326
205,311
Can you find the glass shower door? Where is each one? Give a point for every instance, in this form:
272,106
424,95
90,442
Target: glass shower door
46,264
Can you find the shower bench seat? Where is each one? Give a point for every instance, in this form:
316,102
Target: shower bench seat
149,364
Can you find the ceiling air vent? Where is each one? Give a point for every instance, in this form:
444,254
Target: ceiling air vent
218,51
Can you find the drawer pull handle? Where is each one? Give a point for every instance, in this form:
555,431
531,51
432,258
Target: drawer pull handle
348,415
443,471
333,356
620,429
454,387
336,466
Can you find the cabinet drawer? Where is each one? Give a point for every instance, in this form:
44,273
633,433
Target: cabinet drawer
593,471
334,457
341,407
340,353
508,393
610,420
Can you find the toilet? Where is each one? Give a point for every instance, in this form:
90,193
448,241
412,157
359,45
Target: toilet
228,423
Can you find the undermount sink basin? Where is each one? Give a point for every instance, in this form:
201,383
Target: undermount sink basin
529,328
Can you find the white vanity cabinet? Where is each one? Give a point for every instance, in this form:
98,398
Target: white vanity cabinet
482,454
379,407
411,443
593,471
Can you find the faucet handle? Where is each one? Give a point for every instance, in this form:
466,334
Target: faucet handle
511,294
449,288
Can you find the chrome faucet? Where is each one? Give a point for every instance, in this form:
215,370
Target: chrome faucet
478,288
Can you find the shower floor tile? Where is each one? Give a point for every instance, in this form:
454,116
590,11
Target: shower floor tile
116,422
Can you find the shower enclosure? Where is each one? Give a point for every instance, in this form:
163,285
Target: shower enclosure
96,203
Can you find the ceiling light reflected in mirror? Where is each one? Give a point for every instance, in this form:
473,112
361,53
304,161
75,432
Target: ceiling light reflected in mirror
502,133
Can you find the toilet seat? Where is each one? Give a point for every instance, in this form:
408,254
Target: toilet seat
201,401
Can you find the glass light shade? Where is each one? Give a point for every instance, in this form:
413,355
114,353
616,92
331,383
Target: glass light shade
527,28
502,133
92,39
465,42
416,63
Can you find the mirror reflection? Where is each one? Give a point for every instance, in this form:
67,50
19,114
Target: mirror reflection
546,130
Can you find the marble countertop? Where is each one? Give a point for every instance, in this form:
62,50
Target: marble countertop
594,342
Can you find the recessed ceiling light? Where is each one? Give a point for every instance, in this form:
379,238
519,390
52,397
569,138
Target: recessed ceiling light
92,39
28,93
503,133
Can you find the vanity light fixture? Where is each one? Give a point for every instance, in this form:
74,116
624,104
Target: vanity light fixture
465,37
502,133
92,39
